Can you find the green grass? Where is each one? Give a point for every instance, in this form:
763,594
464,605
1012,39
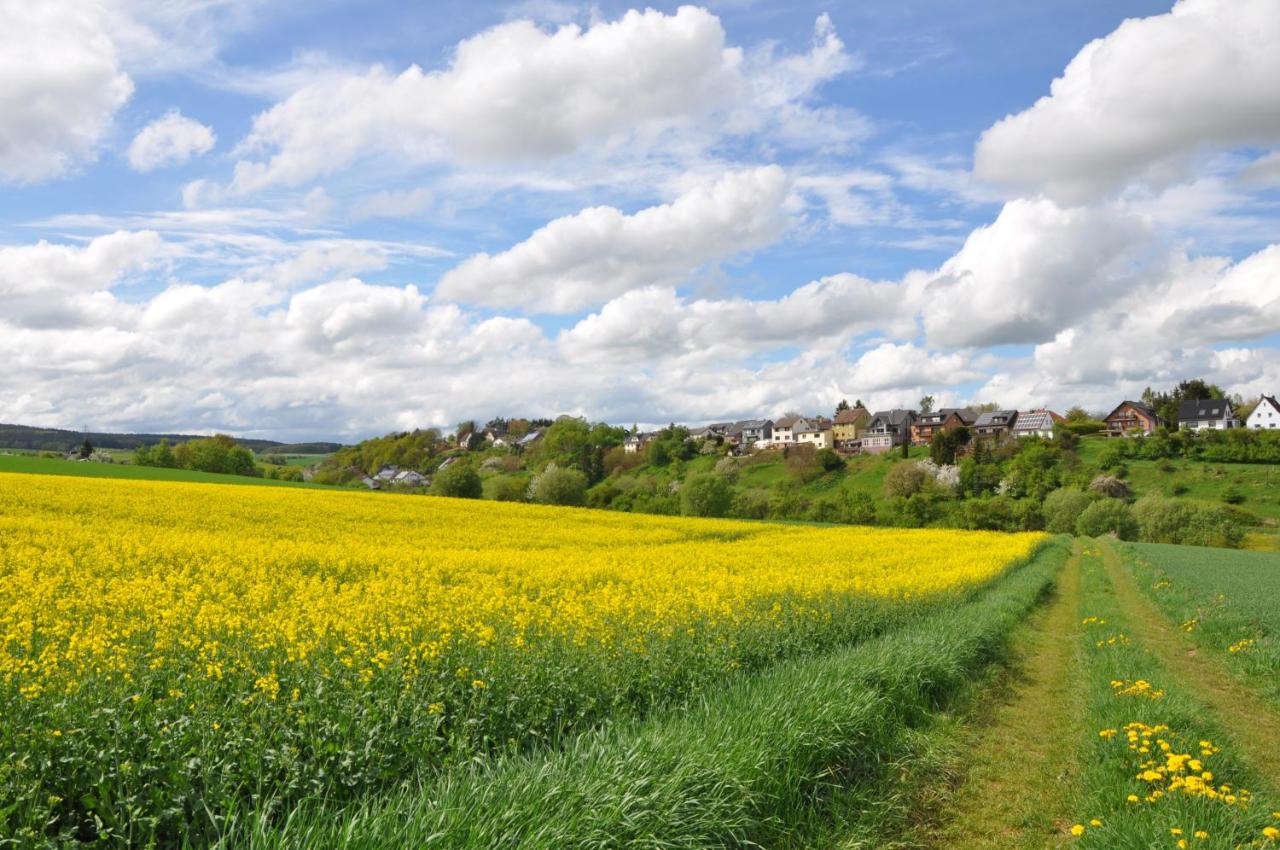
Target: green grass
51,466
1231,596
767,760
1115,652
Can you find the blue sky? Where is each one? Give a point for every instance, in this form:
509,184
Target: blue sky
338,220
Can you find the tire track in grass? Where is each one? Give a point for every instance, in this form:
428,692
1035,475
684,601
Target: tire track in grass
1253,724
1017,789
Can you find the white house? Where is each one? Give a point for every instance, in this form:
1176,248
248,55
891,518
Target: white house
1034,423
1207,414
1266,415
814,432
784,430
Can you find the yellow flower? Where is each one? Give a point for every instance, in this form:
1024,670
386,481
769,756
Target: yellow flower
1077,830
1201,834
1271,832
1095,822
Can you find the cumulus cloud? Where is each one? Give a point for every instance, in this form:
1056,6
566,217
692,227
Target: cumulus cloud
513,91
1036,269
587,258
1132,104
171,140
658,324
518,93
60,87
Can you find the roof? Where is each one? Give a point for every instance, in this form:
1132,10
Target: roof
786,421
1034,420
850,415
1210,408
751,424
1136,405
897,416
941,415
995,418
1271,400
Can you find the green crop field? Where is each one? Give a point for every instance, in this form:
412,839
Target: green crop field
1227,602
31,463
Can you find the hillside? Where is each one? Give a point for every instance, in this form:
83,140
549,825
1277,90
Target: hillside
60,440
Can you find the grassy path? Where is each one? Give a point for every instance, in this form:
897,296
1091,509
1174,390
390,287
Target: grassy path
1254,724
1018,787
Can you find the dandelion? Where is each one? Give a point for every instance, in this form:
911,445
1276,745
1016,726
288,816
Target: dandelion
1077,830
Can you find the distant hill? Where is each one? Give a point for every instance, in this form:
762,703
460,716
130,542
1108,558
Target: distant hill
60,440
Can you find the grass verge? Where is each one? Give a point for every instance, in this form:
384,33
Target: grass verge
1225,602
767,761
1161,768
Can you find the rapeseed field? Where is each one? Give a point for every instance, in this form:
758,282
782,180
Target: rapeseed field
171,651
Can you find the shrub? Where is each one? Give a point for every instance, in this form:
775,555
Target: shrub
1233,495
1108,516
458,480
904,480
505,488
829,460
1062,508
1110,486
559,486
706,494
750,504
727,468
1162,520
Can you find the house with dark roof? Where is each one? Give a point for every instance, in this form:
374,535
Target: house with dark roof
634,443
887,428
928,424
814,432
1265,416
1132,418
1207,415
749,432
1035,423
995,424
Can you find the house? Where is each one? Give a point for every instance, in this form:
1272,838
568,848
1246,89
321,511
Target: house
930,423
784,430
635,442
409,478
1207,414
1132,417
529,439
996,424
387,473
713,431
369,482
1035,423
751,431
887,428
814,432
846,426
1266,415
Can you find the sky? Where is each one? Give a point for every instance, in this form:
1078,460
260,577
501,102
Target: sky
337,219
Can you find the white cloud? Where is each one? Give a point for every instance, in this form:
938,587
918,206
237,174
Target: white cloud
1130,105
393,204
1035,270
657,325
60,87
510,92
171,140
891,366
518,94
587,258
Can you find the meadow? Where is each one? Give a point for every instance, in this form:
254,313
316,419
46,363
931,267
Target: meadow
182,662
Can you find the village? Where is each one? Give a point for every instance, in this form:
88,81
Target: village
856,430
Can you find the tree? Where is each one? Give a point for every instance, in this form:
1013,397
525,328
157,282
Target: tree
1062,508
904,480
86,449
829,460
842,406
1078,414
707,495
559,486
459,481
1107,516
926,404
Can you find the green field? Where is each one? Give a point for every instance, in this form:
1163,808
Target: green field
55,466
1223,599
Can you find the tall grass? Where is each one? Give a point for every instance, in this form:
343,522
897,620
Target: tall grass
749,765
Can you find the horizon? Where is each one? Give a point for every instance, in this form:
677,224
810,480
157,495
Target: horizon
335,222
